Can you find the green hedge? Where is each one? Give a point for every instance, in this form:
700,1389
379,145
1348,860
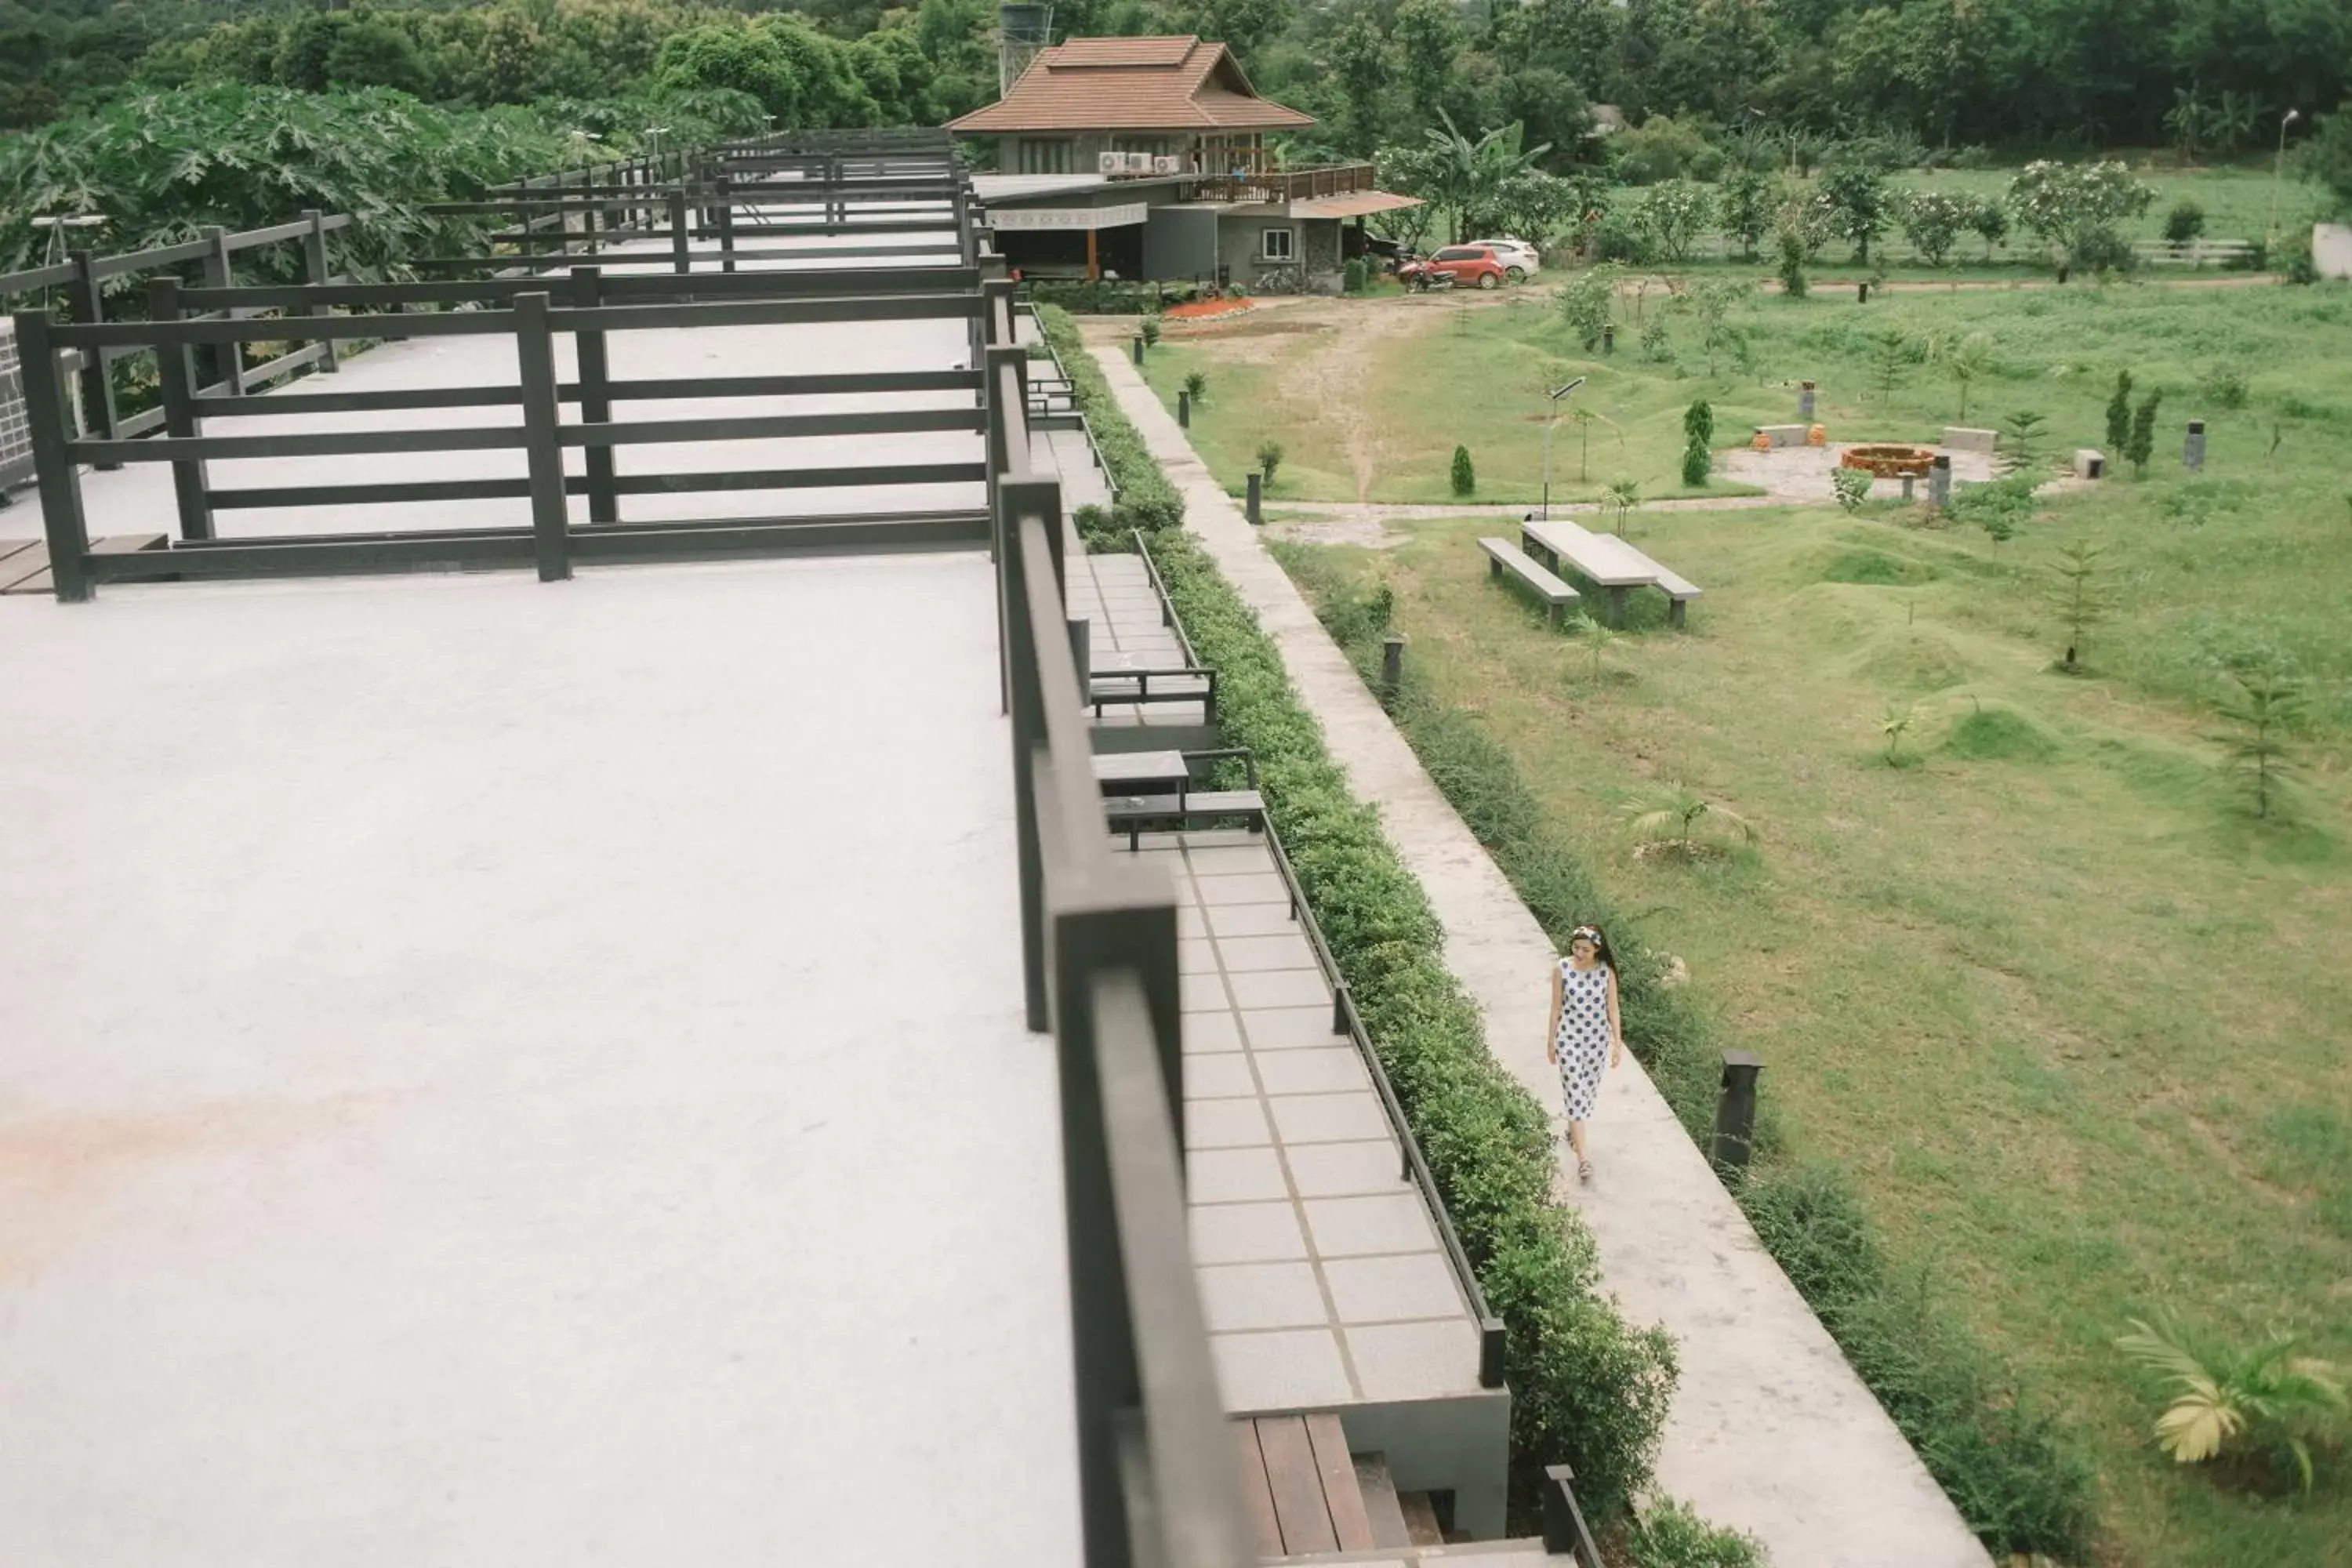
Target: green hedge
1587,1387
1146,500
2001,1453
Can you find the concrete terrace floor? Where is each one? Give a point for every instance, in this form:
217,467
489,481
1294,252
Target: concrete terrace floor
498,1072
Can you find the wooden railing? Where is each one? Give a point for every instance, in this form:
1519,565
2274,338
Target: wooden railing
1291,185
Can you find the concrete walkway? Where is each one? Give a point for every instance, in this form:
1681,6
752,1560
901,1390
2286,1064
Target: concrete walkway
1771,1431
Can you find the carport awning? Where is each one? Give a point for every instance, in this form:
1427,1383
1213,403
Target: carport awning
1358,204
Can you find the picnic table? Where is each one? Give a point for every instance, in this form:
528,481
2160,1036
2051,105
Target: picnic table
1608,563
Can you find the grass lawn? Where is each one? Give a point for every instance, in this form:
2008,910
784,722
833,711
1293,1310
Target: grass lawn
2072,1021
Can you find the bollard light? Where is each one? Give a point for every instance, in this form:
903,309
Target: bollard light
1392,667
1250,508
1734,1110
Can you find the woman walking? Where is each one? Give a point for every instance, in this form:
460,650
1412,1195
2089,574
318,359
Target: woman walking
1585,1030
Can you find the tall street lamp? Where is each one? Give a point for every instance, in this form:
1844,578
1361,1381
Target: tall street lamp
1549,425
2270,237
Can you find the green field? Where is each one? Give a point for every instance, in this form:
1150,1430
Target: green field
2070,1019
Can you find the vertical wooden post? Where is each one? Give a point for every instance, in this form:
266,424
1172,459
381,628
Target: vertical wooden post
315,273
53,465
175,368
95,383
229,358
680,251
1094,261
541,421
595,397
726,225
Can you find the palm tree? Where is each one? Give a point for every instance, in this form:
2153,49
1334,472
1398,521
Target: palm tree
1623,497
2266,1395
1469,176
1671,813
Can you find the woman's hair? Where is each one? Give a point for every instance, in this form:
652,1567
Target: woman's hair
1600,940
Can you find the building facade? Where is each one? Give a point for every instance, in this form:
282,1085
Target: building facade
1149,158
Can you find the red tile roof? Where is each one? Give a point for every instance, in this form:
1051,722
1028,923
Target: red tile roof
1132,84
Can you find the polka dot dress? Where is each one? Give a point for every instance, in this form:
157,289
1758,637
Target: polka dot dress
1583,1036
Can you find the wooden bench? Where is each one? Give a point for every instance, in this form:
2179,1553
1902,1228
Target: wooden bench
1132,814
1557,596
1143,772
1609,563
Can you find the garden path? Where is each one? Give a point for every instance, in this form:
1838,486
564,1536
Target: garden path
1771,1431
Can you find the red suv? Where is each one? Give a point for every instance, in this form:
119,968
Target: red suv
1462,266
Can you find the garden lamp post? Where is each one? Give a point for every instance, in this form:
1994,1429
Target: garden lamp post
2278,167
1549,425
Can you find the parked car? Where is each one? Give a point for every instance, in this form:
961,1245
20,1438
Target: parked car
1457,266
1520,259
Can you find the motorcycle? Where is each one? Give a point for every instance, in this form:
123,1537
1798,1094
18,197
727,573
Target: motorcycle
1416,274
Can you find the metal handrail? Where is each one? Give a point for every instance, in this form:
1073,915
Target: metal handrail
1348,1021
1157,1481
1168,615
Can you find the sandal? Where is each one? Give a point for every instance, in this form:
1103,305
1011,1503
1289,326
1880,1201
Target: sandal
1584,1172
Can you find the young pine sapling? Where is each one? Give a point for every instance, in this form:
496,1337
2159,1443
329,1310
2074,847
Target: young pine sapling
2080,596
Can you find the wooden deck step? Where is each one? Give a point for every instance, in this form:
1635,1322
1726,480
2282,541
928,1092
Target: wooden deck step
24,562
1301,1489
26,571
1420,1526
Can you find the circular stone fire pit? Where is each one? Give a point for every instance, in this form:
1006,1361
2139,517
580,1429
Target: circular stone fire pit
1890,460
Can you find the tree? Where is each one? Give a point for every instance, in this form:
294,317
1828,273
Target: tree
1676,815
1269,459
2021,435
1590,301
1748,200
1857,196
2143,434
2076,207
2264,710
1471,178
2327,159
1243,25
1711,302
1891,356
1363,70
1428,35
1465,477
1625,495
2119,416
1963,359
1932,222
1673,216
1698,443
2081,597
1989,221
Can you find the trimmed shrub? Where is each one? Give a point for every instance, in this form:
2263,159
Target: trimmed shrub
1357,275
1465,476
1141,496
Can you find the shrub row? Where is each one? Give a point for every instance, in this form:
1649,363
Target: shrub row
1587,1387
2001,1454
1145,498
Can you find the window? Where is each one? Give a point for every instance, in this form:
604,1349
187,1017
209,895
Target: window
1459,253
1278,244
1044,157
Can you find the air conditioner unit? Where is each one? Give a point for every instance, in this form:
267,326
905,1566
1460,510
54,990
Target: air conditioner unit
1138,163
1110,163
1166,166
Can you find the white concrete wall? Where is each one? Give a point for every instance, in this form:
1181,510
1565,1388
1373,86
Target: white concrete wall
2331,250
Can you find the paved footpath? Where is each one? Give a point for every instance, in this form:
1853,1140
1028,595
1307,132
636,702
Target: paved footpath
1771,1431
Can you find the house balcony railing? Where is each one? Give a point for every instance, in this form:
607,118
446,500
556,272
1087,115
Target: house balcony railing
1280,187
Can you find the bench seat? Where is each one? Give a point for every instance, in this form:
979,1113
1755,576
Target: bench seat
1557,596
1679,592
1131,813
